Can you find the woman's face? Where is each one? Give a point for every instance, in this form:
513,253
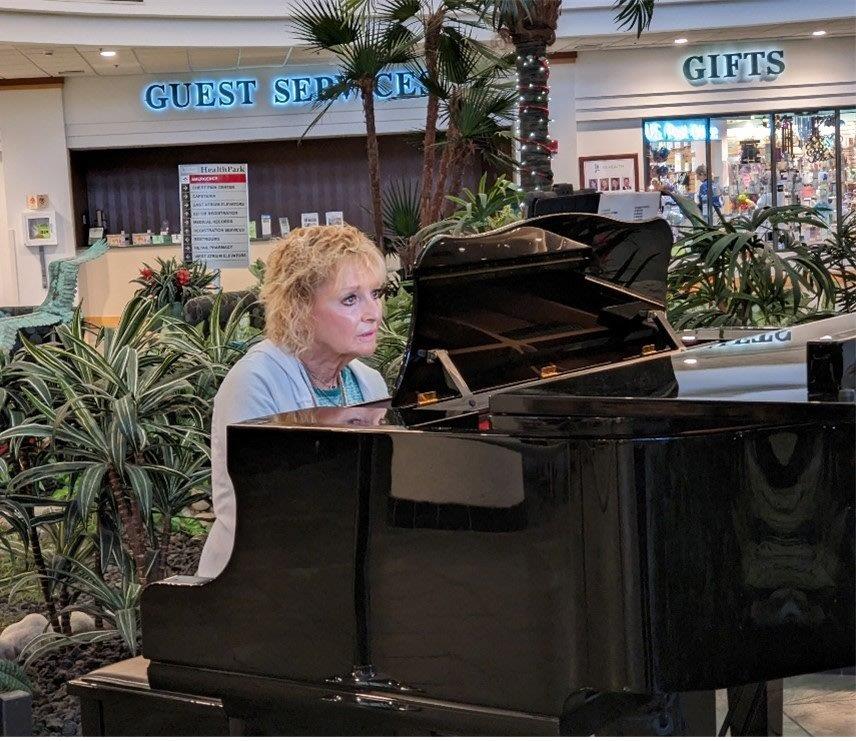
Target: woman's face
346,312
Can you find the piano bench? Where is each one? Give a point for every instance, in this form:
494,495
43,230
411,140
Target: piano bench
116,700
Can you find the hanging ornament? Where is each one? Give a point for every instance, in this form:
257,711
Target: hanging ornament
815,148
786,136
749,151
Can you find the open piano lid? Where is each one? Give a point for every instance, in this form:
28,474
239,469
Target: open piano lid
532,301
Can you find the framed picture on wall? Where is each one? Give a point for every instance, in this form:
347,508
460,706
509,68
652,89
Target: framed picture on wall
610,172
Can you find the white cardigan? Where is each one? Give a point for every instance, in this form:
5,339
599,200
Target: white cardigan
265,381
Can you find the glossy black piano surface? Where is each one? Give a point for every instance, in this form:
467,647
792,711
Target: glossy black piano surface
598,509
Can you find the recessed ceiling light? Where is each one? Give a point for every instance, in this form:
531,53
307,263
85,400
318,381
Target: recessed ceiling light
681,40
107,53
818,33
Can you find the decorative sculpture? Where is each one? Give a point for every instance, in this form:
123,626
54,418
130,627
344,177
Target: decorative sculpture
58,306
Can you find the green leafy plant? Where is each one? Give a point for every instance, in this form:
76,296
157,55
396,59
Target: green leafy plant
363,46
393,334
481,210
123,401
172,283
13,677
115,604
731,274
400,212
257,270
212,347
838,254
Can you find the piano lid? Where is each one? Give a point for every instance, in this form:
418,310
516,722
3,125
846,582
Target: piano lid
518,304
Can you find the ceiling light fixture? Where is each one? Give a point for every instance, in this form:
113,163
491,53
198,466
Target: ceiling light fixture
107,53
820,32
681,40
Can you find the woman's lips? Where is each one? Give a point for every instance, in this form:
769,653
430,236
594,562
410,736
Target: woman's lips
368,335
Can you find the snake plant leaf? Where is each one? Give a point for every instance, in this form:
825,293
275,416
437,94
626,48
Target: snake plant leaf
87,488
13,677
141,485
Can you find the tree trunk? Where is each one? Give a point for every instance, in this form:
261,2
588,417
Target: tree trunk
163,547
132,537
96,567
65,617
459,164
38,556
533,71
44,579
373,161
446,160
429,141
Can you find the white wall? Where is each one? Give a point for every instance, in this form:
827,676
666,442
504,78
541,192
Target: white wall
35,160
8,274
563,111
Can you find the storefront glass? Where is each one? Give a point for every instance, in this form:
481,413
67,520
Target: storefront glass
805,165
739,163
848,162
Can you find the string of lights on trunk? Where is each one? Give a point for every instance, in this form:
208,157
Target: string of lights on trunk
537,147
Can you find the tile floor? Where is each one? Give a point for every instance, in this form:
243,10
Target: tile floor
814,704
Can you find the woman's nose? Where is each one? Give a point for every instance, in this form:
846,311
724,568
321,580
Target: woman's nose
373,312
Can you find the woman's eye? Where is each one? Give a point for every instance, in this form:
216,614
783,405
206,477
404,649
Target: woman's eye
377,293
349,300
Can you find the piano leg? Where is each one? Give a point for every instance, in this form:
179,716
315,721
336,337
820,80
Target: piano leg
755,709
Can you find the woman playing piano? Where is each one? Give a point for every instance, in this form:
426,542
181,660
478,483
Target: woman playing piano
322,297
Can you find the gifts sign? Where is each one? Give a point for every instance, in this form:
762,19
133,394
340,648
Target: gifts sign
215,215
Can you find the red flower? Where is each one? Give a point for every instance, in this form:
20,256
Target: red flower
182,275
146,273
3,449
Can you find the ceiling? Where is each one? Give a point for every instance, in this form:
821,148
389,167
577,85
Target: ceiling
74,61
23,60
841,27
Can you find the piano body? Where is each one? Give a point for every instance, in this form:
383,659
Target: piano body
563,521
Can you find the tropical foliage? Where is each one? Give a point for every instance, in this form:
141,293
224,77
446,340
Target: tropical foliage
531,26
363,46
747,270
104,440
13,677
173,284
481,210
839,257
393,333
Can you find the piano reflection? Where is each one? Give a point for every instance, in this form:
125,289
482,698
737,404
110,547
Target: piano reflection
562,522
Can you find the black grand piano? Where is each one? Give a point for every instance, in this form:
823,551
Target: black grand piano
563,522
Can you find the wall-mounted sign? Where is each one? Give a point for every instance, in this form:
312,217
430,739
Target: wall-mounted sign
201,95
679,130
214,214
737,66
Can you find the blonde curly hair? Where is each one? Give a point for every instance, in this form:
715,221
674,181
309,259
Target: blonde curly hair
298,265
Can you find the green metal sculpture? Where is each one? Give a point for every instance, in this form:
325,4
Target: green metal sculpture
58,306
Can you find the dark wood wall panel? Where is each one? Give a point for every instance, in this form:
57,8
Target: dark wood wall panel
138,188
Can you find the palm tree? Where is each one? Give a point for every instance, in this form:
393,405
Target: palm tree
364,47
531,26
447,53
478,114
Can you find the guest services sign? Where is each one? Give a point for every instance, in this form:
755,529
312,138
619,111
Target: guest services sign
214,215
248,92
